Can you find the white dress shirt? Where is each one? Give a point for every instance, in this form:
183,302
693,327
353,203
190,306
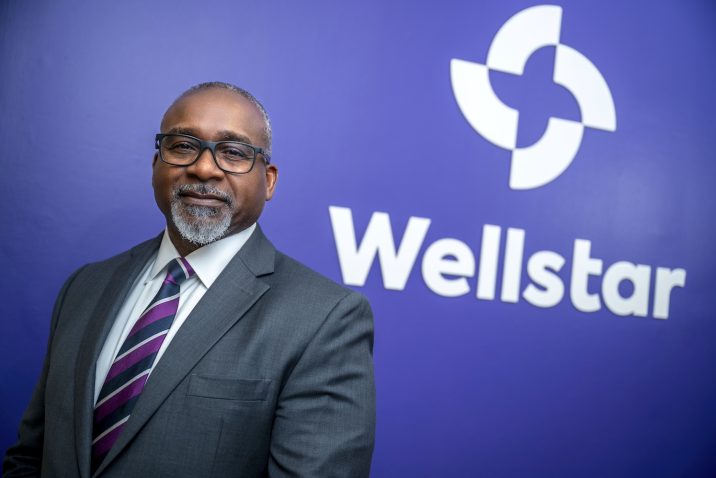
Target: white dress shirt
207,262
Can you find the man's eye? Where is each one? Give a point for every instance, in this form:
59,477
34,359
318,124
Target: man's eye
183,147
234,153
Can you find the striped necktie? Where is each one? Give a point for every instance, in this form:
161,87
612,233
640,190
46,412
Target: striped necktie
130,370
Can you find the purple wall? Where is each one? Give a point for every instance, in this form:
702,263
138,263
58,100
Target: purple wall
365,118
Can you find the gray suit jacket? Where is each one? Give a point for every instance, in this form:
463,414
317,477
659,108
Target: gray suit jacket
271,374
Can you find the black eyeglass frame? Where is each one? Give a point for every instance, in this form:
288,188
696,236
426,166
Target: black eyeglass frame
211,146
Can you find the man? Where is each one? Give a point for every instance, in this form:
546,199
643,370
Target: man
204,352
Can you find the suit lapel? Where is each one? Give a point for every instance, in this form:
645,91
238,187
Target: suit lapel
94,337
224,303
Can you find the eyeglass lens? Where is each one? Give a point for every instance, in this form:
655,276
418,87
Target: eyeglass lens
230,155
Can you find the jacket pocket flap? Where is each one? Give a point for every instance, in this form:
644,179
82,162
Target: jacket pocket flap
229,388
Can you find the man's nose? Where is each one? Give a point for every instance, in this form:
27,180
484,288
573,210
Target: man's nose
205,167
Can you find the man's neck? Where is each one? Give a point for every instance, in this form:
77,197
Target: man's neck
183,247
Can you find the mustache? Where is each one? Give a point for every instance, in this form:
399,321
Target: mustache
201,188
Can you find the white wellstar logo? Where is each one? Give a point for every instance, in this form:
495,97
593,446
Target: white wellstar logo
522,35
491,271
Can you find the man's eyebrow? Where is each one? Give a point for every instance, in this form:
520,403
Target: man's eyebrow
223,135
226,135
188,131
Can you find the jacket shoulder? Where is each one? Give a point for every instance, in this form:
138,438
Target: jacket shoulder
139,250
303,281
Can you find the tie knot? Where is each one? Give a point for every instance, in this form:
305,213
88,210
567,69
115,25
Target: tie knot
179,270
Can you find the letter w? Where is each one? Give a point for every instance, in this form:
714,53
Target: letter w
356,261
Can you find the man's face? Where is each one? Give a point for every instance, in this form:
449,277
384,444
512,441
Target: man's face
201,202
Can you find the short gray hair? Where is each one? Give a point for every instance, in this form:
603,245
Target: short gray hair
242,92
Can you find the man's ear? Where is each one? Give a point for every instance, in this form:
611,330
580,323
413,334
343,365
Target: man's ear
271,179
156,157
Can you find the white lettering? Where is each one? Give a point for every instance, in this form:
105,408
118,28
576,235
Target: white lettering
436,263
448,263
542,267
666,280
356,261
512,271
582,267
638,302
489,255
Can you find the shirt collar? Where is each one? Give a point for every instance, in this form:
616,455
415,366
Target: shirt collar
207,261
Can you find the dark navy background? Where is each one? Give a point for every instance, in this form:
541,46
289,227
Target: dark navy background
364,117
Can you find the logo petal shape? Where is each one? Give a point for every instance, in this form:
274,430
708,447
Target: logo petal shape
513,45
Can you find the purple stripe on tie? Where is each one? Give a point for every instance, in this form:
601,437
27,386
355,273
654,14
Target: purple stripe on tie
135,356
170,279
105,443
132,390
130,383
158,312
187,266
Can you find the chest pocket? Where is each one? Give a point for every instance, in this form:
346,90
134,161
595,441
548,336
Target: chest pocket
244,389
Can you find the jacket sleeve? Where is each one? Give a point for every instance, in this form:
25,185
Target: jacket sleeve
24,458
325,418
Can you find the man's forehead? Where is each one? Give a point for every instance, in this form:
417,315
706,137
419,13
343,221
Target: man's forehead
213,99
215,105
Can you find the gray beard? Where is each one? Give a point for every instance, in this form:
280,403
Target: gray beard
201,225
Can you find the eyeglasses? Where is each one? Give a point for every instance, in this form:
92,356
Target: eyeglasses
230,156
